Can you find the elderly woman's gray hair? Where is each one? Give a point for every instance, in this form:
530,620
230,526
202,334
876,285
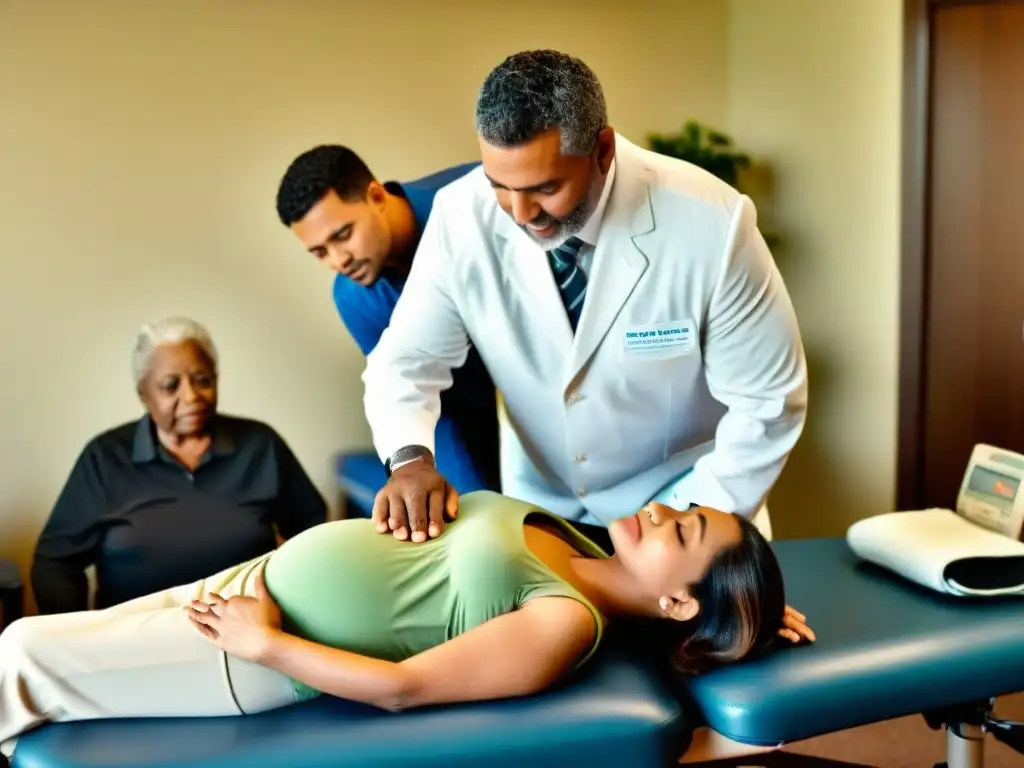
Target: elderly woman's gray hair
171,330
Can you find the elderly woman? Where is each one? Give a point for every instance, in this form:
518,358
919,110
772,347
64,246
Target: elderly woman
181,492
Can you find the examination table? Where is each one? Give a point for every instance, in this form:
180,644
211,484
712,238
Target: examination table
885,648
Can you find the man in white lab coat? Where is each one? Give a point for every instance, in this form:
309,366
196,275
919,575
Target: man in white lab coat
624,303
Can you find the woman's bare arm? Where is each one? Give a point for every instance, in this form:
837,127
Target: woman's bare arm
513,655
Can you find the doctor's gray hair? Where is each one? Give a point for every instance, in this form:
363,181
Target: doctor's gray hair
170,330
535,91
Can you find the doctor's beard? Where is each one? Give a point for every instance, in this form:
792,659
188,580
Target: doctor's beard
567,226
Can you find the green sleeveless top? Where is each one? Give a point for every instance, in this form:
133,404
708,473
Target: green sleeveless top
345,585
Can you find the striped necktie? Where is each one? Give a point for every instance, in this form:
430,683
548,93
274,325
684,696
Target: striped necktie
572,282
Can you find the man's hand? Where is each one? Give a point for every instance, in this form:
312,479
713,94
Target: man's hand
794,627
417,498
240,626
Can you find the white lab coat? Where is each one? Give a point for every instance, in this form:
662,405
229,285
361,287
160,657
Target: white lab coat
600,428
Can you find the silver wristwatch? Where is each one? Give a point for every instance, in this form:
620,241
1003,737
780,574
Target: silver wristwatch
404,456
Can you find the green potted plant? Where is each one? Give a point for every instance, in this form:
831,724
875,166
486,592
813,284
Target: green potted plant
705,147
709,149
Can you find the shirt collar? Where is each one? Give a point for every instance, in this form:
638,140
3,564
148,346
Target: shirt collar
146,448
592,228
394,275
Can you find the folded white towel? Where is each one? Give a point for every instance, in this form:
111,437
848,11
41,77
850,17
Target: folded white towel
939,549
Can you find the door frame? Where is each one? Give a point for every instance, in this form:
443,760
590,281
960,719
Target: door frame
918,16
917,23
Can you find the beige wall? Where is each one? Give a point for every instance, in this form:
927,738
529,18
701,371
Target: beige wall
140,147
814,88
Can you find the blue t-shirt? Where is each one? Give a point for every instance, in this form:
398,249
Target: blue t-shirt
466,439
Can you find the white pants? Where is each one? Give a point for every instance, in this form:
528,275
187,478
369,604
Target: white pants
142,658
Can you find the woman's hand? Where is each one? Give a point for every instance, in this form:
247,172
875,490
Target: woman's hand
794,627
240,626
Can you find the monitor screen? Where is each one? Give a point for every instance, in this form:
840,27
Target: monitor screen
1003,487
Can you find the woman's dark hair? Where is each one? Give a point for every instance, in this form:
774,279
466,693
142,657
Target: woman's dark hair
742,602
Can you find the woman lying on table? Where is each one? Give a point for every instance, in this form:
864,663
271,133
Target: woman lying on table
510,596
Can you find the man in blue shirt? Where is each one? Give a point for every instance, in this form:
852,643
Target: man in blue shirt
367,233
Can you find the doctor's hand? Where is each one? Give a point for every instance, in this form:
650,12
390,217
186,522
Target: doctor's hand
794,627
415,502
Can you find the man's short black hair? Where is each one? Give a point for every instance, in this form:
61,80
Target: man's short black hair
314,173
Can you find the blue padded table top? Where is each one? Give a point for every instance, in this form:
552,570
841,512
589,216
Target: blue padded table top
360,474
9,576
885,648
617,714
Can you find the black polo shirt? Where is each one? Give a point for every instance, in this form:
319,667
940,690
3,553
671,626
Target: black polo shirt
148,523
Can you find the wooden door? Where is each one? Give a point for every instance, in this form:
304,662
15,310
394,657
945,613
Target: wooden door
973,378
